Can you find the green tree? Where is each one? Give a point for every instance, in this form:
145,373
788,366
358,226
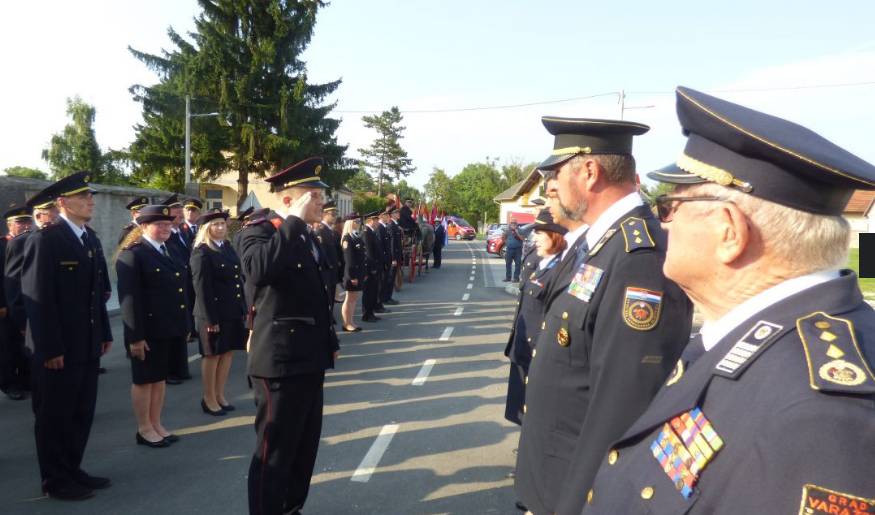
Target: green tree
385,155
244,62
361,182
363,203
474,188
439,187
650,192
23,171
75,148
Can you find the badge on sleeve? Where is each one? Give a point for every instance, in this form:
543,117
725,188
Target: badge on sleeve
585,281
641,308
816,499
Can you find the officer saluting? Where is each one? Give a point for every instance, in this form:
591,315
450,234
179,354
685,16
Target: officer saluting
68,330
613,324
771,409
292,344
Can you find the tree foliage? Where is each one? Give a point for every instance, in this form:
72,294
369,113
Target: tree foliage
243,61
24,171
650,192
385,156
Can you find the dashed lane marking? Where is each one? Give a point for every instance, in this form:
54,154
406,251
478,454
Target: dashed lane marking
423,372
445,336
369,463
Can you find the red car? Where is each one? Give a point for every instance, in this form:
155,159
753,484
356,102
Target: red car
460,229
495,244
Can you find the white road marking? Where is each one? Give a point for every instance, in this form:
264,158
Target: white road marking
470,286
369,463
465,297
471,278
423,372
458,311
445,336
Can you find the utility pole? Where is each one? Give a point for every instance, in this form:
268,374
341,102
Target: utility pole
188,117
622,101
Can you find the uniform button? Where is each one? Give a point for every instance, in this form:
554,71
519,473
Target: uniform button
222,265
527,379
647,493
564,315
177,274
543,325
534,352
612,456
531,292
589,497
182,306
299,265
238,285
529,339
238,295
236,267
524,408
158,270
236,276
180,290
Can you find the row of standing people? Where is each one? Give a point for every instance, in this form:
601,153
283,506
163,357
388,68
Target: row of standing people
769,408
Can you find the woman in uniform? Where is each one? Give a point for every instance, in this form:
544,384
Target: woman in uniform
219,309
550,244
154,305
354,269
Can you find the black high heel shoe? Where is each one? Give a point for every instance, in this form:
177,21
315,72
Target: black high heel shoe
155,445
208,411
227,407
354,330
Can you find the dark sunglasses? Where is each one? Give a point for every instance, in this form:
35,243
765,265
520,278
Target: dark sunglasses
666,205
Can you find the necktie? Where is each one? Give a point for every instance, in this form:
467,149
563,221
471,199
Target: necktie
193,229
84,239
164,251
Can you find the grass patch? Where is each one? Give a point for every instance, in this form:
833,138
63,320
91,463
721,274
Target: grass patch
867,285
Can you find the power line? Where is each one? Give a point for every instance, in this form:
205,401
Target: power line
485,108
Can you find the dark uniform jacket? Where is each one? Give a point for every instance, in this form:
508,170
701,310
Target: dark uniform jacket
292,332
385,245
791,397
354,259
257,230
613,328
12,281
373,250
529,312
397,249
189,233
218,280
3,242
63,288
152,294
329,246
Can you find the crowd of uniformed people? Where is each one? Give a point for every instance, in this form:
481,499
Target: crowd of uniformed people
624,407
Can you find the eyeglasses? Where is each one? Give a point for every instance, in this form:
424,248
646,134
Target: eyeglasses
666,205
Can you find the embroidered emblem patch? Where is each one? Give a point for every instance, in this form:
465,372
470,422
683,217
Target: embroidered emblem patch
816,499
563,337
585,281
641,308
684,447
842,372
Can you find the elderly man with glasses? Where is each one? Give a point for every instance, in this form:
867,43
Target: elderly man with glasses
770,409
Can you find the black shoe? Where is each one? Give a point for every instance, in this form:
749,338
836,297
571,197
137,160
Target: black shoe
520,506
71,491
371,318
208,411
227,407
185,377
381,310
353,330
155,445
173,380
15,394
101,370
505,280
391,302
92,482
171,438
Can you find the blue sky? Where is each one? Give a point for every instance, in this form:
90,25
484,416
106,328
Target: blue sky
461,54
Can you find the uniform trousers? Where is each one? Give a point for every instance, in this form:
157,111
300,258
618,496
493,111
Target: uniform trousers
14,361
288,424
63,405
371,291
387,280
436,251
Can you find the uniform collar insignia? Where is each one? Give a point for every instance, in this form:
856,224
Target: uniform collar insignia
747,349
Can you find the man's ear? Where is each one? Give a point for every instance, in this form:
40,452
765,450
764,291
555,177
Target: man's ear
734,234
591,174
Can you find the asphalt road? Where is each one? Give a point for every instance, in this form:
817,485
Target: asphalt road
413,419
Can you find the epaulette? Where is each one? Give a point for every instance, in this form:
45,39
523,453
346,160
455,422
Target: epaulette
50,225
636,234
835,363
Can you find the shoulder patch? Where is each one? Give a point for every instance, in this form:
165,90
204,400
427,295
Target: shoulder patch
816,499
746,350
835,363
641,308
276,222
636,234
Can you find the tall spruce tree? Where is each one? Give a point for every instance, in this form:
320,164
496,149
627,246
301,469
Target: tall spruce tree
385,155
244,62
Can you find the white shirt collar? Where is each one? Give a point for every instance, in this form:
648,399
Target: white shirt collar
546,261
571,238
156,244
611,216
715,330
78,231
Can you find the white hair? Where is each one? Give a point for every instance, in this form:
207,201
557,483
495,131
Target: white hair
803,242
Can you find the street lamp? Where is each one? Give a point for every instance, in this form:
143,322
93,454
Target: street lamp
188,117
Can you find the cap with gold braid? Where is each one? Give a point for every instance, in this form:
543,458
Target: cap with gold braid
137,203
159,213
16,212
544,222
764,156
44,199
303,173
172,201
193,203
329,206
575,136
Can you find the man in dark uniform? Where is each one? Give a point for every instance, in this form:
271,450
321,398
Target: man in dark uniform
613,324
292,343
771,408
440,238
329,242
373,265
405,216
191,210
134,207
14,367
397,247
256,227
386,279
42,205
67,330
180,249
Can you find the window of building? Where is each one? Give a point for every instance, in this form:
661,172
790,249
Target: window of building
213,199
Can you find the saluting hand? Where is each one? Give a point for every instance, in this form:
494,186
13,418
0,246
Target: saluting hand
138,350
301,205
